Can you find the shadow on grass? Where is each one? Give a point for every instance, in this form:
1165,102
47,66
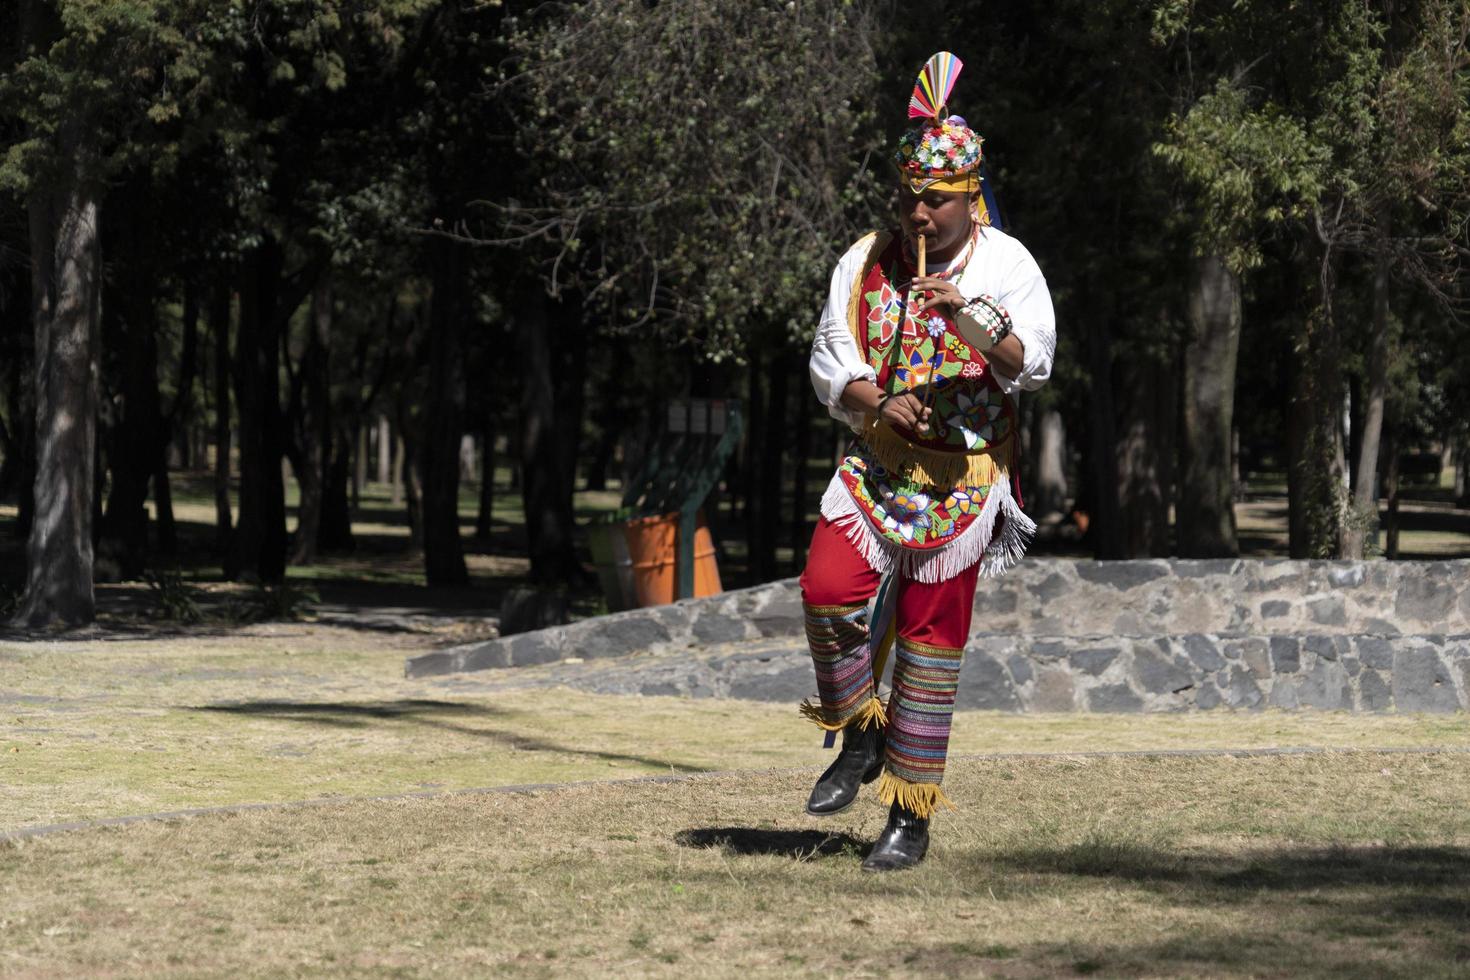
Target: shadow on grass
1342,911
346,714
799,844
1307,869
423,711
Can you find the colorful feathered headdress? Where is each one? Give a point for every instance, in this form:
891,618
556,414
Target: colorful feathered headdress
941,152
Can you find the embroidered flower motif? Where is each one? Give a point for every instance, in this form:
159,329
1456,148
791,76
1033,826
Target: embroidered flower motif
921,370
949,148
973,369
975,417
907,513
959,501
912,318
885,311
937,325
915,373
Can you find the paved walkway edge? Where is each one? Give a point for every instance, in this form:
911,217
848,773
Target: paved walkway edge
46,830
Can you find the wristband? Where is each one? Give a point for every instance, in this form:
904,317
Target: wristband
983,323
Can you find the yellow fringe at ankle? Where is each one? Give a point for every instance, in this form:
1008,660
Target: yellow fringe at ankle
920,799
869,714
931,467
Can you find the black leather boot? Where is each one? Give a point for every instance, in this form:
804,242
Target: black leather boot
902,843
860,761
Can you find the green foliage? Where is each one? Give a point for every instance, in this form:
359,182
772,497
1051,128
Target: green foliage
174,600
1249,168
143,82
697,180
1346,125
686,172
286,601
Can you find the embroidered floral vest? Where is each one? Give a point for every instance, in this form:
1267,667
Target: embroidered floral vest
920,491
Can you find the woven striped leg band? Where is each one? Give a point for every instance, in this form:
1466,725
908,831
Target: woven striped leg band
838,636
925,679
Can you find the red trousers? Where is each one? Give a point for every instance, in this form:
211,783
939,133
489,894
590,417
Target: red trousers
937,614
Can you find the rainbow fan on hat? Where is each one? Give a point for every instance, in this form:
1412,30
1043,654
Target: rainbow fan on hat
942,152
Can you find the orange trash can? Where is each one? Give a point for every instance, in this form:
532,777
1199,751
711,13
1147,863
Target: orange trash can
653,547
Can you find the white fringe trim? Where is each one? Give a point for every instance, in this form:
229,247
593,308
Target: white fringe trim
978,542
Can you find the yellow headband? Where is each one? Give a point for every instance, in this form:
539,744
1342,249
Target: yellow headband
965,183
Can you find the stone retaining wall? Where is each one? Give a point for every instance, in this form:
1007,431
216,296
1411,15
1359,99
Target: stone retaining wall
1241,596
1057,635
770,610
1201,671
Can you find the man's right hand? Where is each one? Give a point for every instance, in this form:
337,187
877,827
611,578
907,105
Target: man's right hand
905,410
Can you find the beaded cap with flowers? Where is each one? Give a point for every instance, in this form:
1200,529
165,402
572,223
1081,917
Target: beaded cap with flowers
942,151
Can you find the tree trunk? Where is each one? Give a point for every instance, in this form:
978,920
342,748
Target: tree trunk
359,463
1206,511
18,473
131,446
385,450
397,494
413,491
219,323
175,421
545,491
1048,495
801,531
602,455
261,538
1391,481
443,553
485,516
1145,451
335,533
1315,470
1462,474
65,298
17,408
1105,530
1363,517
773,442
1298,428
314,434
752,462
163,504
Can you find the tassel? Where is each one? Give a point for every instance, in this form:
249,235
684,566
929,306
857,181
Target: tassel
875,242
871,713
978,542
920,799
932,467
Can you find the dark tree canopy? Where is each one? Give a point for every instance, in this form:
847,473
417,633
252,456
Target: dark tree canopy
274,230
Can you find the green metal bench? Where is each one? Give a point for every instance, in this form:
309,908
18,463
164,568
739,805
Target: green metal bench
682,467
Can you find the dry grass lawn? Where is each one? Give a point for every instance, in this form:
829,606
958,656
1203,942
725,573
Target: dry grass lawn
1344,865
279,712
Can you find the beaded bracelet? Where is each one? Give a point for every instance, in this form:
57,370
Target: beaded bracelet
990,317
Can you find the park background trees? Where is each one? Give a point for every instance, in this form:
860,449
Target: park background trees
257,230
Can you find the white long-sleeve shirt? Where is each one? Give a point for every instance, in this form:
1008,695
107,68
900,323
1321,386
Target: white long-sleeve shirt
999,267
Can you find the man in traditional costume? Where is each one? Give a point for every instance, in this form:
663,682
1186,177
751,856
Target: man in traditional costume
929,334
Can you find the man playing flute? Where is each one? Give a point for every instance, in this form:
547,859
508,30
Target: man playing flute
929,334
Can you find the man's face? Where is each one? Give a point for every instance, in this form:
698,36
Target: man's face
942,217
